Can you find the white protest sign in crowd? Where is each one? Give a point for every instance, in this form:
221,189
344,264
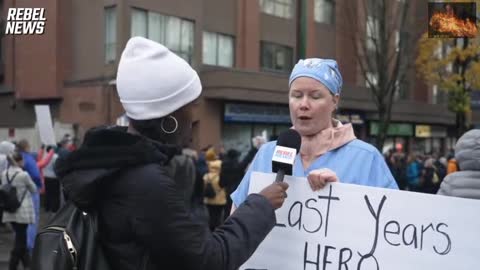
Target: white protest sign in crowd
45,126
346,226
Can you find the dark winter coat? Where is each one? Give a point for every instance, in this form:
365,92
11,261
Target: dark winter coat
143,220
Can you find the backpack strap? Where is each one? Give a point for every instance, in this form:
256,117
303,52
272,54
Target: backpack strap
23,196
9,181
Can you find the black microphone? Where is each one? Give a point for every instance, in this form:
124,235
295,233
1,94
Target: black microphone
288,145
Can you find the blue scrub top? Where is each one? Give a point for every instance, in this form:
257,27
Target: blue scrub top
356,162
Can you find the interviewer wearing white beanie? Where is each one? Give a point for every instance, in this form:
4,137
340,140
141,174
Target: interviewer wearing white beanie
154,86
141,193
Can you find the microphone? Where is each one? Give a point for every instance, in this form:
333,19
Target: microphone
288,145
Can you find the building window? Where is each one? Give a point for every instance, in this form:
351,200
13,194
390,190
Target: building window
397,41
438,96
276,57
218,49
280,8
324,11
110,35
438,52
448,50
173,32
401,90
434,94
372,30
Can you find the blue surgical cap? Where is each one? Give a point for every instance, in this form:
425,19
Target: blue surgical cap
323,70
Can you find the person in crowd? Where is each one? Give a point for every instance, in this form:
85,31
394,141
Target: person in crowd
233,170
201,164
414,172
189,151
465,183
441,165
25,214
30,166
221,151
120,172
217,200
6,148
398,166
181,168
430,181
329,150
52,185
65,146
42,162
452,165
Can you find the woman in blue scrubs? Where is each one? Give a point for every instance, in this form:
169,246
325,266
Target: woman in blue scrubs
329,150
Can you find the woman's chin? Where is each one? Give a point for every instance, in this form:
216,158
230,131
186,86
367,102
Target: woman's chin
304,131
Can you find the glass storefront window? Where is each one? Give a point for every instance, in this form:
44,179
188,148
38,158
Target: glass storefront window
238,137
263,130
389,144
436,146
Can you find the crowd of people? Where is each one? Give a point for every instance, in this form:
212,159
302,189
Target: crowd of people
163,205
420,173
32,174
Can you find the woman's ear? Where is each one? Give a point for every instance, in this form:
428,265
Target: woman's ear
336,100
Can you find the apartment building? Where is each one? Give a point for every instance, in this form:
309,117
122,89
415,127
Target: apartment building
242,49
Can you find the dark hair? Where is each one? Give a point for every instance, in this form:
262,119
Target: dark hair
23,145
150,128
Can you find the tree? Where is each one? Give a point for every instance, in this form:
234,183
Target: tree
452,65
382,48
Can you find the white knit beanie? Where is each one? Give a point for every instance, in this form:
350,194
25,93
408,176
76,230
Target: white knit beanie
153,82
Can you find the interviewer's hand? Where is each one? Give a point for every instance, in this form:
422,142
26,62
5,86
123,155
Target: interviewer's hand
275,193
320,177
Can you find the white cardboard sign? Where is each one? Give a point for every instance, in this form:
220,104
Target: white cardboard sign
45,127
346,226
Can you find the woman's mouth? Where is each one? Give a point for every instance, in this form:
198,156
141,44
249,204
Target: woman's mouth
304,118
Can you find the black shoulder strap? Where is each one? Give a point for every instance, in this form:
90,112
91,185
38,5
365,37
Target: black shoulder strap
9,181
23,195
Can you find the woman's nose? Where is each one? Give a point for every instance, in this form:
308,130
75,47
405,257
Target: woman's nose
304,104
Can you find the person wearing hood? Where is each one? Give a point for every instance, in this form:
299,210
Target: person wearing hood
329,150
6,148
121,173
465,183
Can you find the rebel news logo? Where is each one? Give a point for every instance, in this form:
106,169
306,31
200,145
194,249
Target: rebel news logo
25,21
452,20
284,154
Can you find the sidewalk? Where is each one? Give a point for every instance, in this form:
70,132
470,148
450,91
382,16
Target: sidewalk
6,242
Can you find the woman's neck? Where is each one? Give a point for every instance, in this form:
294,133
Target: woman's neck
330,138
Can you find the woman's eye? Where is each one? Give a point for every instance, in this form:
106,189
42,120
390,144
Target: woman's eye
297,95
316,96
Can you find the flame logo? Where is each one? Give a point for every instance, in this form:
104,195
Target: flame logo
447,23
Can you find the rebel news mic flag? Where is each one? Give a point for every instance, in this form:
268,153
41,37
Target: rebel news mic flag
288,145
